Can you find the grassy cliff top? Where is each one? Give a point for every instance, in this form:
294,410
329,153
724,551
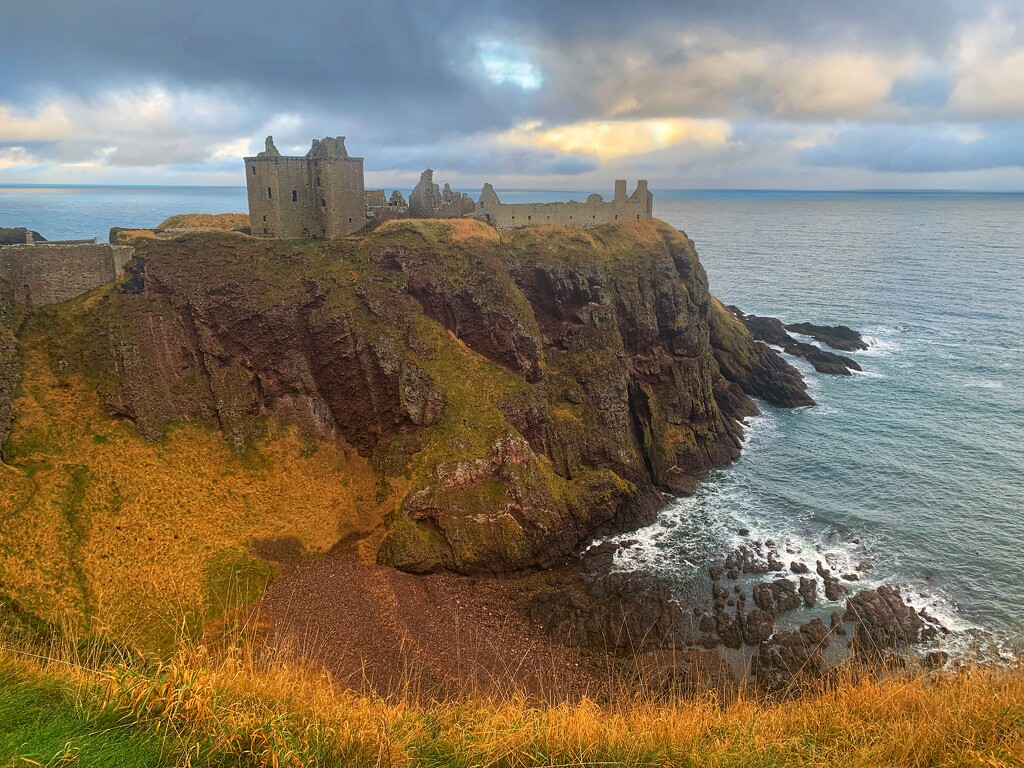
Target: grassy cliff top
205,221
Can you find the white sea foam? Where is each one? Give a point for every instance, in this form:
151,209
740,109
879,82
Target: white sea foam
868,374
826,410
983,384
882,341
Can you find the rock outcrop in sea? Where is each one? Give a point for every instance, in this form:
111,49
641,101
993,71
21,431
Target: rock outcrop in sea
772,331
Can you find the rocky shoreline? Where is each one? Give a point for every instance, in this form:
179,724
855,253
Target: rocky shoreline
763,610
782,624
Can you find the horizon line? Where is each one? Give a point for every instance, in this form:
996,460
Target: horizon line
875,190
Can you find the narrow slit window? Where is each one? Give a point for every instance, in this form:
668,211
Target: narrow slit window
270,194
295,195
254,170
323,202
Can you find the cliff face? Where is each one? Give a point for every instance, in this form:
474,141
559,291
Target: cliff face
10,363
515,394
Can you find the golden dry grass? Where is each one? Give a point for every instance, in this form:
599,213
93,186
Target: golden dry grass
204,221
471,231
122,534
268,710
127,236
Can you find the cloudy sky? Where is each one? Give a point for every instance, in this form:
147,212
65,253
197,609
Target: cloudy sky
560,94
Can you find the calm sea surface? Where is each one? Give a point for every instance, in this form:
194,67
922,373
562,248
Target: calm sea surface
914,467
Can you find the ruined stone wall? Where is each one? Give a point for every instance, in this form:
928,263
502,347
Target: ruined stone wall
429,201
48,274
591,213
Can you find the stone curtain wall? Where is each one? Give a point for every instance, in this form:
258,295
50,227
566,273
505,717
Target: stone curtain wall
49,274
591,213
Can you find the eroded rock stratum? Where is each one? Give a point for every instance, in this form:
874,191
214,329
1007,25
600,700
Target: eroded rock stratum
515,394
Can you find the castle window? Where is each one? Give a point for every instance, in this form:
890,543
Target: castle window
264,219
529,218
295,196
594,216
318,181
349,219
638,217
323,202
616,217
270,194
254,170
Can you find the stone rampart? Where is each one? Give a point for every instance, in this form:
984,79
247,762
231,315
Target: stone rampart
593,212
49,274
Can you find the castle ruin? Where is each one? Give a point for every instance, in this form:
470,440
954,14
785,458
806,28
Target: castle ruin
318,195
322,195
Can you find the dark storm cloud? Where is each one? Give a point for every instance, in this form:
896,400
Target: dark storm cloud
922,149
407,82
391,59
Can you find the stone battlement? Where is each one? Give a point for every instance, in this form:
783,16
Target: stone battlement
323,195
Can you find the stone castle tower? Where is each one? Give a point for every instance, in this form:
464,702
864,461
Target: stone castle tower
319,195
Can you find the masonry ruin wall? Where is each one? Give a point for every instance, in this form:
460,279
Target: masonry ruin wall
49,274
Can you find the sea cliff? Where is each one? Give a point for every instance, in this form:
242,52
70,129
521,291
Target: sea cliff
510,396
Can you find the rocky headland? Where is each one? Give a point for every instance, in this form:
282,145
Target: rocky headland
508,397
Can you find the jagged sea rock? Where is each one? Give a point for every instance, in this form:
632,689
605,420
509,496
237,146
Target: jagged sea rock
613,611
772,331
836,336
789,660
776,597
883,621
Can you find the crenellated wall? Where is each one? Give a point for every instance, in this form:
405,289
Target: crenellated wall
49,274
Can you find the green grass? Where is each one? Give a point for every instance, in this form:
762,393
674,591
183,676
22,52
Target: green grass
46,723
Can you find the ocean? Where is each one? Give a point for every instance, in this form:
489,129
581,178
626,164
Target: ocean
913,469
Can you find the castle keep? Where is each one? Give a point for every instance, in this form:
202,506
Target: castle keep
323,195
319,195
